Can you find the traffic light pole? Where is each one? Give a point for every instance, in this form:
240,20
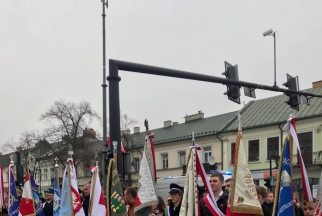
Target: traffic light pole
114,100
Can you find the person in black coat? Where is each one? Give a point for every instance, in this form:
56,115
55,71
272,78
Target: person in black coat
86,197
48,207
176,194
216,182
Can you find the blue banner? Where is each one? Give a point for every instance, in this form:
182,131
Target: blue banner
66,207
56,198
13,200
38,202
285,201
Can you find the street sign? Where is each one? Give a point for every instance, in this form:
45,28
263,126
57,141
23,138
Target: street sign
272,181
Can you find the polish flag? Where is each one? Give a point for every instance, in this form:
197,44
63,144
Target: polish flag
108,141
97,201
27,206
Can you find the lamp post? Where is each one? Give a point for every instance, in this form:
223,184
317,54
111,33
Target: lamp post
38,171
272,33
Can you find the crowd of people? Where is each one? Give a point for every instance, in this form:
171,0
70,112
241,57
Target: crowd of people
221,194
173,204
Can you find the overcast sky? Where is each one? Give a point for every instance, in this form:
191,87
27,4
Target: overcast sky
51,50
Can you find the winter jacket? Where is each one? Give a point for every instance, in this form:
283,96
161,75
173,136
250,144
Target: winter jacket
221,203
267,208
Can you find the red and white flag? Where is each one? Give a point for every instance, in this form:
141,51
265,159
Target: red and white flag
97,202
75,197
243,199
27,206
318,202
290,126
146,195
1,189
122,148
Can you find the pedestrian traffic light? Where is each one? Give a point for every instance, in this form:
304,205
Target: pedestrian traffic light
293,99
267,183
233,91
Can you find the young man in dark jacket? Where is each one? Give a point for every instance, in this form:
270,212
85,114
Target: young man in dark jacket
221,197
176,194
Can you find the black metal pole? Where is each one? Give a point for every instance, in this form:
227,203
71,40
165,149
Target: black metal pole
274,59
104,149
123,167
114,111
270,173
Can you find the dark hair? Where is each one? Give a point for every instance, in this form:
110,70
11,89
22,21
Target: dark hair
219,175
261,191
131,191
161,205
228,180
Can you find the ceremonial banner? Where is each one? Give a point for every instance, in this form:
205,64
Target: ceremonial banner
27,207
146,189
56,206
318,202
291,129
283,200
13,203
151,155
115,202
243,197
1,189
37,200
71,202
190,200
97,202
66,207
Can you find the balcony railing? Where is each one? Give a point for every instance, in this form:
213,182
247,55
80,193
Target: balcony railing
309,158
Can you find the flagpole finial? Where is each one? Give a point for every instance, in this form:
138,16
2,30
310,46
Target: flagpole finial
239,122
193,139
11,159
115,147
146,124
56,165
291,115
96,157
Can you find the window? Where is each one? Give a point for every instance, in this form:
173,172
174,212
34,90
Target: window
164,158
182,158
52,172
207,153
232,152
136,164
272,147
253,150
45,174
256,182
306,146
86,171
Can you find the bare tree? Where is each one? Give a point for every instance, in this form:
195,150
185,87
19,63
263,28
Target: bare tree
67,123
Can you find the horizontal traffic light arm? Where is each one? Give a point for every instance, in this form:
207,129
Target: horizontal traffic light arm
147,69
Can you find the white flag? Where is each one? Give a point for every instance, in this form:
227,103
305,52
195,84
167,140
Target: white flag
97,202
146,189
318,202
189,206
243,195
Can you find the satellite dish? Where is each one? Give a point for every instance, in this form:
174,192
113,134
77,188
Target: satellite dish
211,160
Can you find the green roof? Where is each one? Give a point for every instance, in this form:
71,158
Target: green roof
274,110
201,127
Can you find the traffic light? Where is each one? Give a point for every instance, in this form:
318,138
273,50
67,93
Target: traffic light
293,99
233,91
267,183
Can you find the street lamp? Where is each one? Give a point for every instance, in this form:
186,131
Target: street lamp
272,33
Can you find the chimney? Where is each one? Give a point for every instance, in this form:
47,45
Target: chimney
317,84
167,124
37,144
175,123
89,131
199,115
19,149
0,153
136,130
127,131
